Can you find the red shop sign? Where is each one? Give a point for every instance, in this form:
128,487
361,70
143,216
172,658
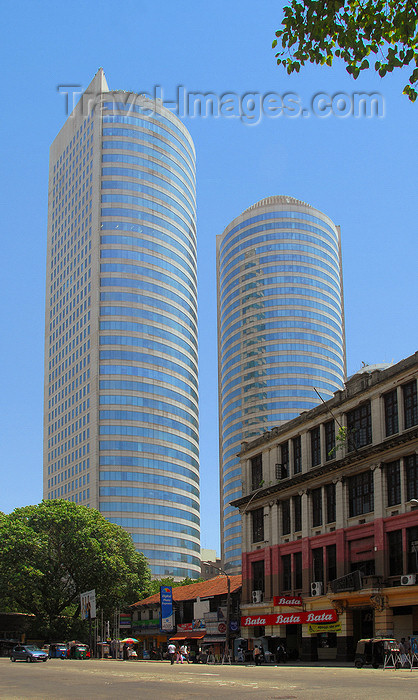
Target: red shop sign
293,618
287,600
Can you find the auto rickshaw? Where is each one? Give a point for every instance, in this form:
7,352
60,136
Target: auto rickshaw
372,651
78,651
58,651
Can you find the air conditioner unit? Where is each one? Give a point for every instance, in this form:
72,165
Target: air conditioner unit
316,588
257,596
408,580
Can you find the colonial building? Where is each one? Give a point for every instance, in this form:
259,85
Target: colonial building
331,519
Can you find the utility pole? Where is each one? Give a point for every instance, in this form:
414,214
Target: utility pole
228,607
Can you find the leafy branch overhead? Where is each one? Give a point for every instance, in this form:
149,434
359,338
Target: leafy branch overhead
52,552
369,33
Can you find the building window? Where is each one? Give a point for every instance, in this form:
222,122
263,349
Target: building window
318,564
331,503
331,562
297,568
286,517
287,572
412,539
284,466
360,494
395,552
315,446
391,412
410,404
316,500
258,524
256,472
411,473
329,440
297,454
258,575
297,513
359,426
367,568
393,483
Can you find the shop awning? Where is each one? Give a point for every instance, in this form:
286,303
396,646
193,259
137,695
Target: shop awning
187,635
214,640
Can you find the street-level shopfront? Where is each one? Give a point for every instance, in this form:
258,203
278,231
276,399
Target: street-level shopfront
298,629
313,630
150,638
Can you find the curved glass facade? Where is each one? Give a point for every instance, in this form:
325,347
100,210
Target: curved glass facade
280,331
143,393
148,328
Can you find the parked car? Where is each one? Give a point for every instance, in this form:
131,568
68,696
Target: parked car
28,652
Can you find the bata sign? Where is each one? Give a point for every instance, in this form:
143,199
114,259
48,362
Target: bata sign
294,618
287,600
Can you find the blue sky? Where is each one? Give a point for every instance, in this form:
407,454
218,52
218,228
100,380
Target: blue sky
360,171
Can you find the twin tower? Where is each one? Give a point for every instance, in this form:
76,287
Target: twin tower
121,430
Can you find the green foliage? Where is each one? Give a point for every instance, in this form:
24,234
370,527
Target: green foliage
154,586
341,440
316,31
52,552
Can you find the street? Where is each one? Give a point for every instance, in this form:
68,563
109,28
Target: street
107,679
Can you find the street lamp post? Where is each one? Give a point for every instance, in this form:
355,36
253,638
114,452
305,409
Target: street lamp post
228,606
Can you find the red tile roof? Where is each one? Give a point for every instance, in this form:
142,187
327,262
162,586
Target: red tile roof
204,589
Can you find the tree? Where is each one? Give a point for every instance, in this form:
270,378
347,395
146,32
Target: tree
353,30
154,586
52,552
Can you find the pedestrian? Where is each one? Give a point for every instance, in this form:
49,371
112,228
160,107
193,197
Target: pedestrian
240,655
281,654
171,652
257,655
404,658
184,652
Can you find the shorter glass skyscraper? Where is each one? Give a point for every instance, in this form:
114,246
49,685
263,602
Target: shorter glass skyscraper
280,331
121,384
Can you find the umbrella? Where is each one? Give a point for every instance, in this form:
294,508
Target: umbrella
129,640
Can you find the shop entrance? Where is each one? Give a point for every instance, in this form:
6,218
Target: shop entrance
363,624
294,641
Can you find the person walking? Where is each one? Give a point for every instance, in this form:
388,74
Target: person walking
172,653
257,655
281,654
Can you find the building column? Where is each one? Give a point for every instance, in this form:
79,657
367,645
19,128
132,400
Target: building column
378,490
340,506
309,651
401,411
290,448
305,451
345,639
383,622
305,512
274,523
323,505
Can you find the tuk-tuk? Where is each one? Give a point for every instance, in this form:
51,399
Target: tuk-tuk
78,651
372,651
58,651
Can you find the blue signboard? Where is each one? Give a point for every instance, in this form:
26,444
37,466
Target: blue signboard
166,602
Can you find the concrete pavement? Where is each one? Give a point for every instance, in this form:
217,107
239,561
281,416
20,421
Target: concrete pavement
107,679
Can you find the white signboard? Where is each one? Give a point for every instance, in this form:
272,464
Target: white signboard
88,605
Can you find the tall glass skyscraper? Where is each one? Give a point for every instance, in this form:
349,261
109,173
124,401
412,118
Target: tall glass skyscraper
280,331
121,384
